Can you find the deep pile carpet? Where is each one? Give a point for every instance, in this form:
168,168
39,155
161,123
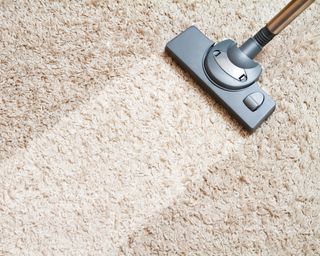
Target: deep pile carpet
108,148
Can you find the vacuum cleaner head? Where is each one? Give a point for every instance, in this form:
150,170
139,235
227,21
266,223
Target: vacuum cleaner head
229,72
231,80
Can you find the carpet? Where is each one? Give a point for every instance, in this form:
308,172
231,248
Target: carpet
108,148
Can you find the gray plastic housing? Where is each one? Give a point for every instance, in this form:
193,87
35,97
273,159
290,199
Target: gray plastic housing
189,50
229,67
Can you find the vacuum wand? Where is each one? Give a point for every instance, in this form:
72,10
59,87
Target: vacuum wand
254,45
287,14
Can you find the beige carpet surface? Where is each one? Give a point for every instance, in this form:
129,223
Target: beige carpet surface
108,148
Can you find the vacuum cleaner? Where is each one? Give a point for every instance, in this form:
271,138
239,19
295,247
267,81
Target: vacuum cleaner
229,72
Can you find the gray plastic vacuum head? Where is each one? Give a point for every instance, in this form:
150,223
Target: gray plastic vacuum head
229,72
231,80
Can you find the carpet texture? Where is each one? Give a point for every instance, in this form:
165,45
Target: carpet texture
108,148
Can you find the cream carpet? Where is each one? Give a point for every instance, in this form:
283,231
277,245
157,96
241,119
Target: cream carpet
109,148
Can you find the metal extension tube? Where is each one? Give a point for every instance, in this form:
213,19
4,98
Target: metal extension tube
255,44
287,15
